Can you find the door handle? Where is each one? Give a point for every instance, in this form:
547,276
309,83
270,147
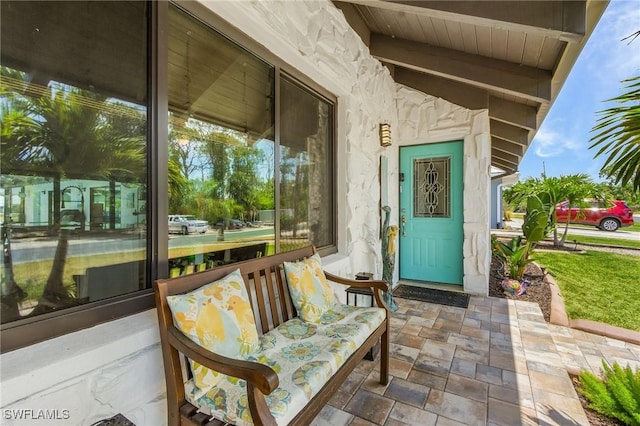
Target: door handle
403,221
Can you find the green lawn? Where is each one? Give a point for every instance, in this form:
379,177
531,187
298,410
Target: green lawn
633,228
602,240
598,286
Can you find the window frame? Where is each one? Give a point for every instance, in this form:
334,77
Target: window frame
282,74
26,332
29,331
282,70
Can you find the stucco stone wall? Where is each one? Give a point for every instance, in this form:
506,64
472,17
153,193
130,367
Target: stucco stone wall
427,119
117,367
93,374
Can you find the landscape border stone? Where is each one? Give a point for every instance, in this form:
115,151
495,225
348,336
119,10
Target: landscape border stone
558,312
559,317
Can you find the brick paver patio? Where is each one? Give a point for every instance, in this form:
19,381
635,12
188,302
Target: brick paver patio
495,363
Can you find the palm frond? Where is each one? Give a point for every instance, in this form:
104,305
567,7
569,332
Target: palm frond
618,136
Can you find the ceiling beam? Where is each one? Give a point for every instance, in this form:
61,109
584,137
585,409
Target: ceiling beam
509,168
514,119
520,115
355,20
504,164
391,68
492,74
563,20
504,157
508,147
458,93
509,133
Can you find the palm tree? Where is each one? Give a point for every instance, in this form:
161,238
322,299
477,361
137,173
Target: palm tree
551,191
619,136
59,131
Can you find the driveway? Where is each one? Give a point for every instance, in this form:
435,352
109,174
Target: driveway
513,227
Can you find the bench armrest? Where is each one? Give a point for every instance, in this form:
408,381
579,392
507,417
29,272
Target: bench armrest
260,376
379,284
376,286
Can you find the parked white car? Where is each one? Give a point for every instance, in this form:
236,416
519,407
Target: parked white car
186,224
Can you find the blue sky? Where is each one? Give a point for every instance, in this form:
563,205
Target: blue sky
562,142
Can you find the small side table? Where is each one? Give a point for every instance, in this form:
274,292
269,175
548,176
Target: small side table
359,291
364,291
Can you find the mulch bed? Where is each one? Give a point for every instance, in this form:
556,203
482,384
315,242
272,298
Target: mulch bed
538,290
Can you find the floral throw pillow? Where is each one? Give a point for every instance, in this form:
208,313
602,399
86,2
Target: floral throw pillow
310,292
218,317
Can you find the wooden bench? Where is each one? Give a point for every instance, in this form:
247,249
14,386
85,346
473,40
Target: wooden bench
272,306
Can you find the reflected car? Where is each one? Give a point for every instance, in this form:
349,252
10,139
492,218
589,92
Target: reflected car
187,224
231,224
603,214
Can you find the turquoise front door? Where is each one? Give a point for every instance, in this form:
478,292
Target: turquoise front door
431,234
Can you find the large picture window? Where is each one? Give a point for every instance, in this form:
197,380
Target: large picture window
222,147
73,176
246,155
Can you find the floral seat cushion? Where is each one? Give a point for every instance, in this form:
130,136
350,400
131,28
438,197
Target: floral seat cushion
304,355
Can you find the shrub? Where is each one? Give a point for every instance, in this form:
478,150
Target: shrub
515,254
616,395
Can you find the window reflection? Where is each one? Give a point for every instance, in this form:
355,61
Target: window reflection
221,149
73,162
305,168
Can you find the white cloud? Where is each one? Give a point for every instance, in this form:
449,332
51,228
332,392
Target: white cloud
608,58
550,143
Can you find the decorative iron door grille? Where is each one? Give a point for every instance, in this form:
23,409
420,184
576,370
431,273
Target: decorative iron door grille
432,187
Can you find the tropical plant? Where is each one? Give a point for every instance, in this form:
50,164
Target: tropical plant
618,136
575,188
536,220
550,191
515,254
616,394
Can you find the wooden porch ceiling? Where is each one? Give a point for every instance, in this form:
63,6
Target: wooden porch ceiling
509,57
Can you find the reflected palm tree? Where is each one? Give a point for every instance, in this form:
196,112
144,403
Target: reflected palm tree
63,132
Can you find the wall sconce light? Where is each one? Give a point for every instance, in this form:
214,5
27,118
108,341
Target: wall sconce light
385,134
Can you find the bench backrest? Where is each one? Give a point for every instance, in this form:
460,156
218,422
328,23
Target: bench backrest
267,289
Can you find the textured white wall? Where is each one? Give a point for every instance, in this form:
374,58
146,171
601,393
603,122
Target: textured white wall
93,374
117,367
426,119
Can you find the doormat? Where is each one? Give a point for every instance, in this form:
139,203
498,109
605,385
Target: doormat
432,295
